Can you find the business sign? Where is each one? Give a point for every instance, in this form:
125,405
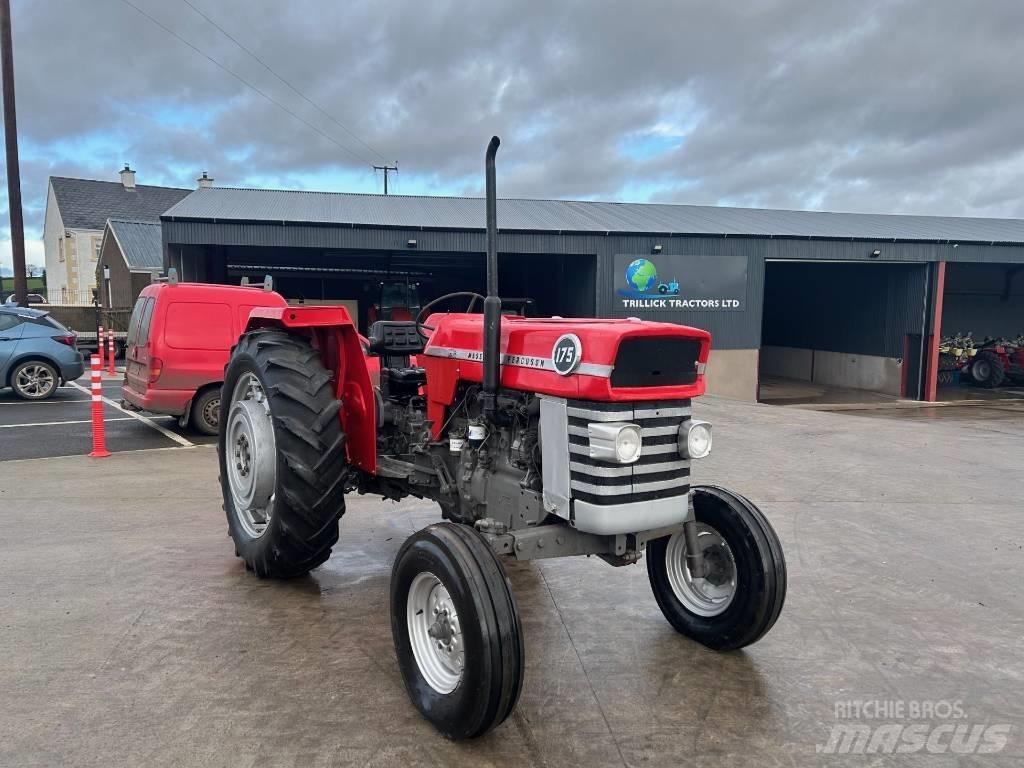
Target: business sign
680,282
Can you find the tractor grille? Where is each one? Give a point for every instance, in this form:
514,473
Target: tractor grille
660,471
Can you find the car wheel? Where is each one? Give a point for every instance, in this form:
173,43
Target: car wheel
205,413
34,380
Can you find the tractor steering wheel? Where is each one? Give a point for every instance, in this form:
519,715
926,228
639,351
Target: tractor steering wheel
420,325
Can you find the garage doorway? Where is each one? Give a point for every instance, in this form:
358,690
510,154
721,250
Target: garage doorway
371,284
982,322
841,331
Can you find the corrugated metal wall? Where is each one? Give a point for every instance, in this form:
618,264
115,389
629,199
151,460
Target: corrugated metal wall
985,299
864,309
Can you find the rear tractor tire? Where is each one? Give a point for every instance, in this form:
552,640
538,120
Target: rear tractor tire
987,370
456,630
281,453
744,587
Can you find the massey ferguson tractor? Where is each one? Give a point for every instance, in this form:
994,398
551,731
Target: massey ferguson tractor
537,438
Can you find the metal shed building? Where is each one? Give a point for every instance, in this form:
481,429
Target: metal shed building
844,299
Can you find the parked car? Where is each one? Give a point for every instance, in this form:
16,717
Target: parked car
37,354
33,298
179,338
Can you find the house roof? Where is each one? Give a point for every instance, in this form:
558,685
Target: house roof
87,204
139,242
339,208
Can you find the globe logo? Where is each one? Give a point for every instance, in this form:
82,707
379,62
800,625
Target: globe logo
641,275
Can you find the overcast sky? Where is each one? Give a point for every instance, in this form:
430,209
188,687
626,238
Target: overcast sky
894,107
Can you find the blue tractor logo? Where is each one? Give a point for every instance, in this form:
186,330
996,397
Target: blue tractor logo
642,279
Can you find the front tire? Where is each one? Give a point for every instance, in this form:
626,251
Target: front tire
282,455
456,630
743,593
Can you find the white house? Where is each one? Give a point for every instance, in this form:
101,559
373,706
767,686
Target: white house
76,213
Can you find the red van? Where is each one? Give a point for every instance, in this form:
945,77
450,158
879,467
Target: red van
179,338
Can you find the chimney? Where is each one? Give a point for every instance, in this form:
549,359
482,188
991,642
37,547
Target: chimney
204,181
128,177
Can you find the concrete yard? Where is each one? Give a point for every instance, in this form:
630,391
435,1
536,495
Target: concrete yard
132,636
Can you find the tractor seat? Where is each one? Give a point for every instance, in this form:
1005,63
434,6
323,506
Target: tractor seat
395,338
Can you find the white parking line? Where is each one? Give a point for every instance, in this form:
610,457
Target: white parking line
50,402
58,423
161,429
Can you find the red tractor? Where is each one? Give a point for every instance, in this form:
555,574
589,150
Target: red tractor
537,438
996,361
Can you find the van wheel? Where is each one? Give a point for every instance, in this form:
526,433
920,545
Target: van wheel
205,413
282,455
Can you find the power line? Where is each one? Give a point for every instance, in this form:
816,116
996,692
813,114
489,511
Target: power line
246,83
270,69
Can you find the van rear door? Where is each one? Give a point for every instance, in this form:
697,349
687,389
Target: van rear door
136,369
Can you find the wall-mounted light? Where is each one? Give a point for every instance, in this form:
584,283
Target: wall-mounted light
410,244
106,272
656,249
875,253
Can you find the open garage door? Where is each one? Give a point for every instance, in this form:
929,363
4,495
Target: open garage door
842,331
982,325
376,284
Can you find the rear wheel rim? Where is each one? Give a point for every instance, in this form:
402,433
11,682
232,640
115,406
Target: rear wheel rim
211,412
435,633
250,454
710,596
35,380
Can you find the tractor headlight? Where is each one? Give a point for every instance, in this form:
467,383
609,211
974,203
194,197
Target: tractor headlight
694,439
615,442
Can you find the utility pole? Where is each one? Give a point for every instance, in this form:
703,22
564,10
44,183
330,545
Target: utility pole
386,168
13,172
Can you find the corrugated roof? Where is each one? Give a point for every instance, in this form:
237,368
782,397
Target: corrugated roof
265,205
87,203
140,243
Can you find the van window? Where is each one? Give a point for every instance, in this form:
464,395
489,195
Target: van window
147,317
134,320
195,325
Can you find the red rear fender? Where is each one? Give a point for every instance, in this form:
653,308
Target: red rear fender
331,330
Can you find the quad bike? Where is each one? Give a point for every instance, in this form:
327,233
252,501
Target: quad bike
996,361
537,438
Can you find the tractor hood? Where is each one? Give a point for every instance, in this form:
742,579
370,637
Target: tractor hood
600,360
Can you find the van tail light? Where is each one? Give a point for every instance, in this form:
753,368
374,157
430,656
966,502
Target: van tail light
156,367
70,339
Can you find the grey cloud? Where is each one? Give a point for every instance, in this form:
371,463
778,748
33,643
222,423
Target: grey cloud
906,106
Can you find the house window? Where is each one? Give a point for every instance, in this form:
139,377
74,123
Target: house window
96,243
60,249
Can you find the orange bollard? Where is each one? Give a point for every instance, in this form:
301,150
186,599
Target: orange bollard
99,346
110,351
99,436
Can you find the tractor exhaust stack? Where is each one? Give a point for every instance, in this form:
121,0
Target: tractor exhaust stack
492,304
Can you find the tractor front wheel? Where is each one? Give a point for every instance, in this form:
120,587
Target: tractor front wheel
282,454
740,595
456,630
